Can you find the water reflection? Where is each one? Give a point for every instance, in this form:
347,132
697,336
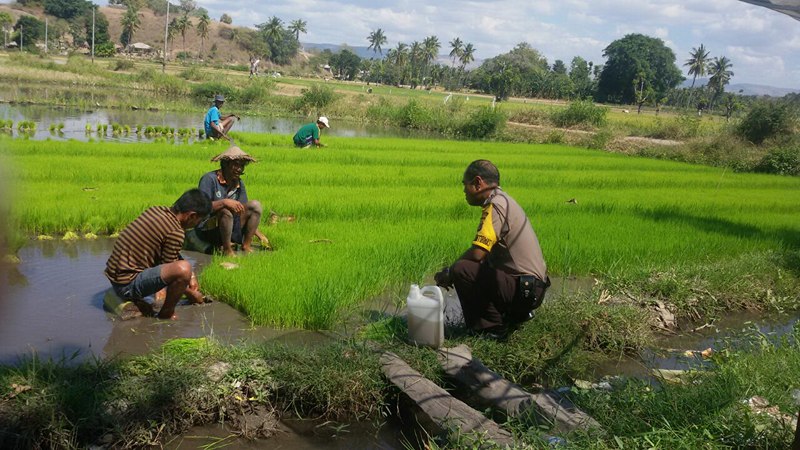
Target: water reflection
53,307
75,123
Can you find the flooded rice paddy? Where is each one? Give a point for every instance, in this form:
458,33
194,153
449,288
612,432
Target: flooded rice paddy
75,122
52,306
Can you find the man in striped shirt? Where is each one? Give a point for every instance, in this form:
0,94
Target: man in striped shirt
146,257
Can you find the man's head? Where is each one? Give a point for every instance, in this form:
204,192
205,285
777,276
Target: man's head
219,99
480,178
192,207
232,162
323,122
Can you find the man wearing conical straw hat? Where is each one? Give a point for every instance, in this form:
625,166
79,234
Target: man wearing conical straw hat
234,218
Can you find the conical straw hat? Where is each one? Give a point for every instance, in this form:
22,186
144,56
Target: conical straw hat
233,153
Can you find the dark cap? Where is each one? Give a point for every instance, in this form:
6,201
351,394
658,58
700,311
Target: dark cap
219,98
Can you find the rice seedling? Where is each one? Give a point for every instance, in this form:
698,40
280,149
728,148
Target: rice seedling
375,213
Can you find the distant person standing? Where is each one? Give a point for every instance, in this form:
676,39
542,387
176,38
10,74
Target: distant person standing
308,134
254,67
146,256
502,277
216,126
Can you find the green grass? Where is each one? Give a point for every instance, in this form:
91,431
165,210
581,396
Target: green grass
375,213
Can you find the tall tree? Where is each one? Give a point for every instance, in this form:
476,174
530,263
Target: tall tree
467,55
720,76
183,25
457,47
697,62
272,29
296,27
5,23
376,40
203,24
130,23
633,57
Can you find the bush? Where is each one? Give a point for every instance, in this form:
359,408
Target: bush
104,50
580,112
483,123
315,99
781,161
766,120
193,73
257,91
415,115
205,92
122,64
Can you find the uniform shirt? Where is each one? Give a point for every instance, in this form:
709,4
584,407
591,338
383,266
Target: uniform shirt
154,238
212,116
216,188
506,233
306,135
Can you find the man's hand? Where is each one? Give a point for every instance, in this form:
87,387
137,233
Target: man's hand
235,206
443,278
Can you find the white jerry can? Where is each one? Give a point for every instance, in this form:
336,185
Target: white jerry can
426,316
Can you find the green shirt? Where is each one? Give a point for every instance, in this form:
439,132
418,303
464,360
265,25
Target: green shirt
306,135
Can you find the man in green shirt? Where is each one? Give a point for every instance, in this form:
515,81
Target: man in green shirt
308,134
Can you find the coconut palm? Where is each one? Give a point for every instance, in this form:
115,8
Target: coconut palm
457,46
130,22
296,27
202,30
182,26
698,62
273,29
376,40
467,55
720,75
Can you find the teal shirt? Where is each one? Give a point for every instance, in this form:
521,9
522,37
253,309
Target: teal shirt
306,135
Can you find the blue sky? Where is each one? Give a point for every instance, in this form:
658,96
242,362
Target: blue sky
763,45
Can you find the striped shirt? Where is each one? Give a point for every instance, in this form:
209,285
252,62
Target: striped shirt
154,238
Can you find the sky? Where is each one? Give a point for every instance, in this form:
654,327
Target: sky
763,45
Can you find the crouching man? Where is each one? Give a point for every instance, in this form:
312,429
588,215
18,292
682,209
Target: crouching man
502,277
234,218
146,256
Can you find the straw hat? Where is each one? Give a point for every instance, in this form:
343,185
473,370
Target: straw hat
233,153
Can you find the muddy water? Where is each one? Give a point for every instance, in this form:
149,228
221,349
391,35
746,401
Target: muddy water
669,351
75,123
53,306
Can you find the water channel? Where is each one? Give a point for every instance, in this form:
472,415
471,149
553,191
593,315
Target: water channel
75,122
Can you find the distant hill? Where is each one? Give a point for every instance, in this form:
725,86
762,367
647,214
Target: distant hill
745,88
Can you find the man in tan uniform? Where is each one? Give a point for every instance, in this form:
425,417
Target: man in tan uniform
502,277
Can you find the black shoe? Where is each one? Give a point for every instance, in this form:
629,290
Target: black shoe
497,333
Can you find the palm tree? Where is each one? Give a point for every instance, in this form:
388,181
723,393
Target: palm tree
467,55
698,62
131,22
202,30
298,26
457,46
376,40
273,30
182,26
720,75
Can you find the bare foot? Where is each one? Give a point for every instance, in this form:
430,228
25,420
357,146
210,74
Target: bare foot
229,253
247,249
170,316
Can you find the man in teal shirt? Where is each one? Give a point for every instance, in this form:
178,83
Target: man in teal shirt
308,134
215,125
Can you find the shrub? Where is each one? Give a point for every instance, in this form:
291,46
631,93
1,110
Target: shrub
205,92
257,91
415,115
193,73
315,99
104,50
483,123
766,120
580,112
781,161
122,64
